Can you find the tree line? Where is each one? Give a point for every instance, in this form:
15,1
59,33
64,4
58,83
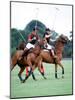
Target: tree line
17,36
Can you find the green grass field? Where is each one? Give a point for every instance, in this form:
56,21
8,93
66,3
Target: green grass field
43,87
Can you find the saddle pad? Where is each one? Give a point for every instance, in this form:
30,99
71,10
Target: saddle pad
45,50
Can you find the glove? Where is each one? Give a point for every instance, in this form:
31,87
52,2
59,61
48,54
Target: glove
34,38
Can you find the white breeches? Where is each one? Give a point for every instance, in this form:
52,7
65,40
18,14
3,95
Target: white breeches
29,45
49,46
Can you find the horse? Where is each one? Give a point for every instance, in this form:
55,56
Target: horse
59,46
45,56
29,60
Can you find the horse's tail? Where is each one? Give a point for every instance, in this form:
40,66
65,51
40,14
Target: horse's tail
13,61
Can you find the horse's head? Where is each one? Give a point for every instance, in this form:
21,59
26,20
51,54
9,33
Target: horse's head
64,39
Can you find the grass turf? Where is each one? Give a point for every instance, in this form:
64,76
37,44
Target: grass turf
42,87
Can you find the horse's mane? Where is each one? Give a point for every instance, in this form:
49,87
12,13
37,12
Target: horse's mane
58,38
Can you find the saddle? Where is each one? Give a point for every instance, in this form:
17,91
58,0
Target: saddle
27,52
50,51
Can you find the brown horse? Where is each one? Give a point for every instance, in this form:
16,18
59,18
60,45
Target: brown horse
26,61
47,58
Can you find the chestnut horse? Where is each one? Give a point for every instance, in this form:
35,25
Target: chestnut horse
47,58
26,61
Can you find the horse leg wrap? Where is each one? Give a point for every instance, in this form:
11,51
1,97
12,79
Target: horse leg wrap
55,74
33,76
20,77
27,71
30,72
63,71
42,73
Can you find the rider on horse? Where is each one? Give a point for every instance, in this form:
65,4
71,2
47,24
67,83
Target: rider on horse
32,39
47,38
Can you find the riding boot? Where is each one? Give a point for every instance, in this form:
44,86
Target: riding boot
24,54
53,55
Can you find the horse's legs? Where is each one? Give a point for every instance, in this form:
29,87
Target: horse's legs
27,71
56,71
33,76
20,72
41,70
30,72
62,69
40,66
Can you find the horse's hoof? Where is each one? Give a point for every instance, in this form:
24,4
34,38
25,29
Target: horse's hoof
23,81
45,78
62,76
35,80
56,78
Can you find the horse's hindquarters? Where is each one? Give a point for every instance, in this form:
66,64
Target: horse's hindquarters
15,58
